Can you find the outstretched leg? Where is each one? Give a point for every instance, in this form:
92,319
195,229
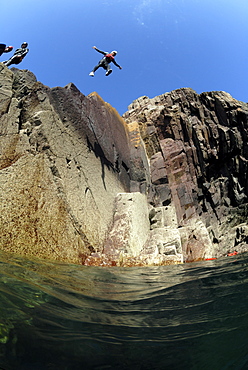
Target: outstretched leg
108,70
13,60
96,67
8,62
92,73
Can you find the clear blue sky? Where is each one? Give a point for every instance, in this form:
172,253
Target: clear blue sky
162,45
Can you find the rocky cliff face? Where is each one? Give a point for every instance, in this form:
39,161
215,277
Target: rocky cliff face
60,168
198,152
166,183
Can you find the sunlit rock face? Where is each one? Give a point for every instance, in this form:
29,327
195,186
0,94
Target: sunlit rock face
166,183
61,168
198,154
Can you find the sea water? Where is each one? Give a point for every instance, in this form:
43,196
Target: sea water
70,317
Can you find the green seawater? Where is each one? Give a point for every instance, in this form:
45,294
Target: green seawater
70,317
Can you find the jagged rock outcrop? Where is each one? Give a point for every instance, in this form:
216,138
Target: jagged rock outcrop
166,183
198,153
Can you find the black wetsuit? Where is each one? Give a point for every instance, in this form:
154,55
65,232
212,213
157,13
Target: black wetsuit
18,56
2,48
105,61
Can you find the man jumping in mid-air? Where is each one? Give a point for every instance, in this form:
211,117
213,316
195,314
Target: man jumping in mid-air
105,62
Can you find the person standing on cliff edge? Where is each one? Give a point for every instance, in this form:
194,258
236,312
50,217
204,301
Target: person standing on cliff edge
18,56
105,62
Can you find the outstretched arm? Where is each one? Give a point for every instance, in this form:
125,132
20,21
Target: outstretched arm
117,65
99,51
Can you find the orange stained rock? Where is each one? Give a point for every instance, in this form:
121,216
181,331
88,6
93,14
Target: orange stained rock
109,108
134,134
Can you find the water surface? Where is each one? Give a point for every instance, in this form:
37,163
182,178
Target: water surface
69,317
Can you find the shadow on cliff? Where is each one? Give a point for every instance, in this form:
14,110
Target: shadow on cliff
75,109
97,149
